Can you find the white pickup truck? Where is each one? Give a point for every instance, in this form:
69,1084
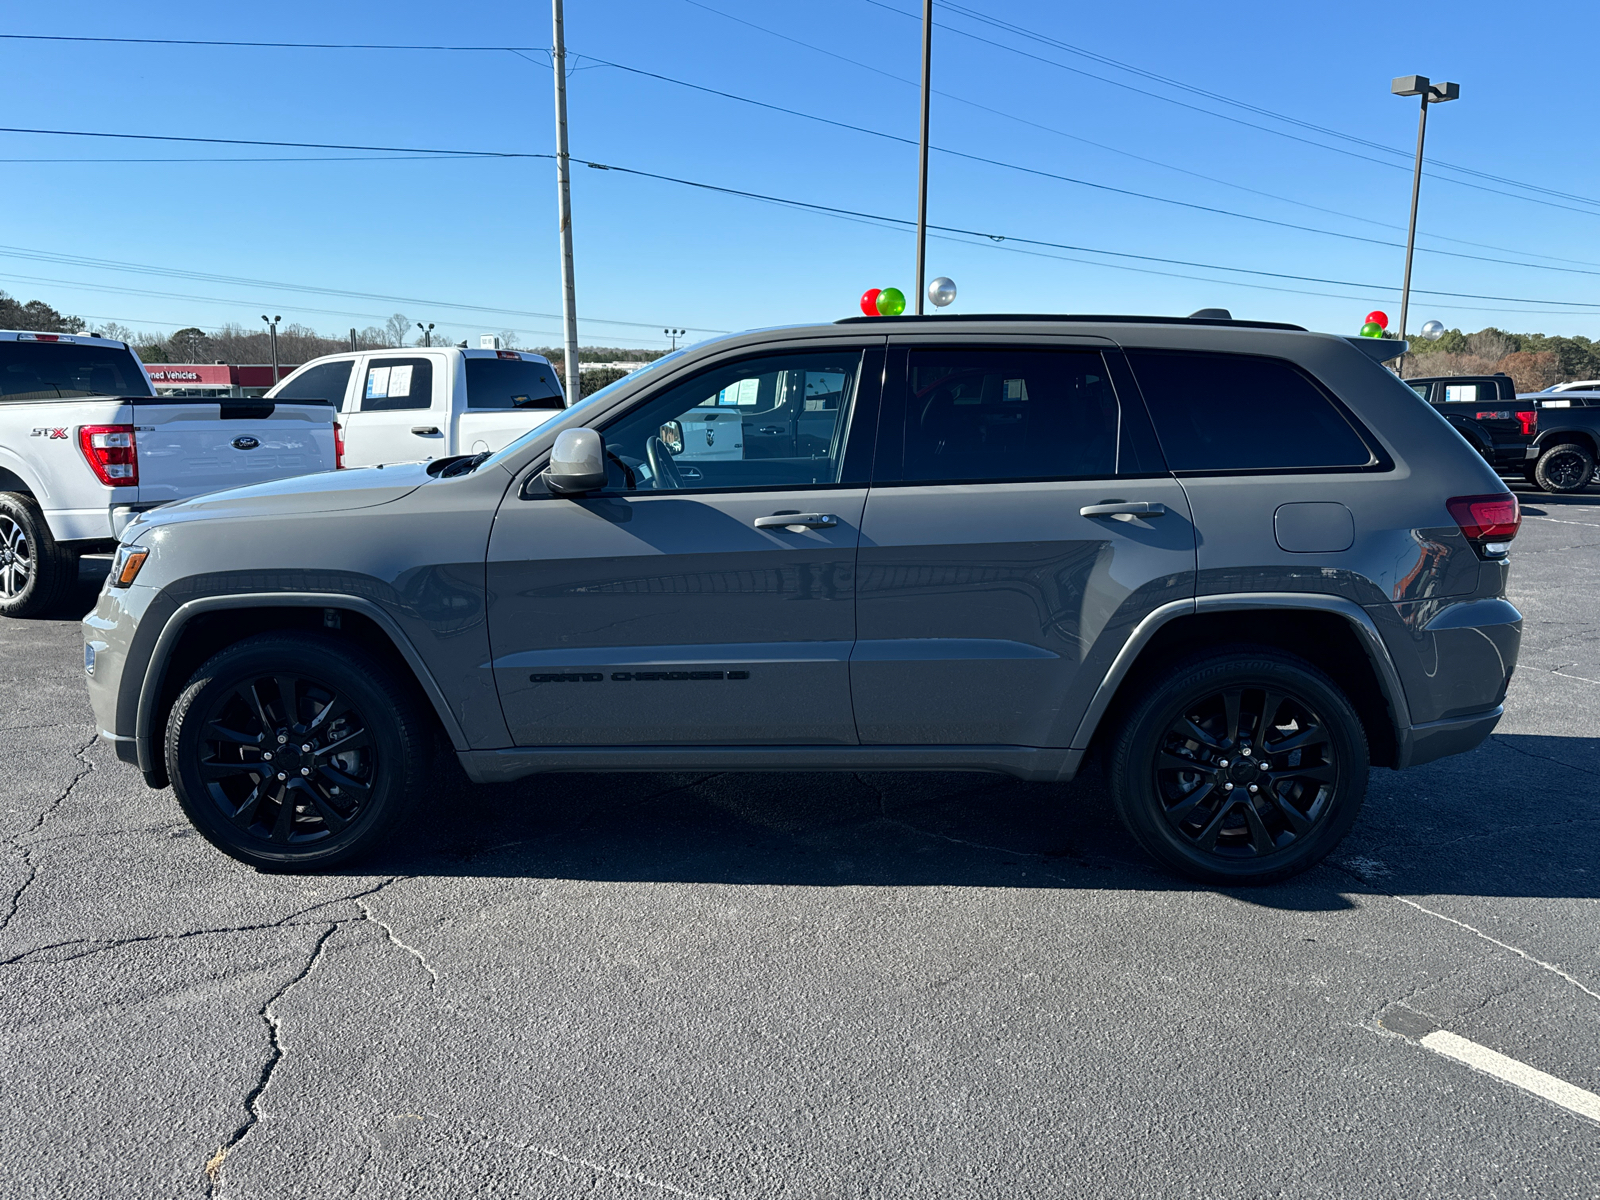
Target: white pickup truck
420,403
85,444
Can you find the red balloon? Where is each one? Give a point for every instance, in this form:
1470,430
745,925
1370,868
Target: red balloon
1379,318
869,301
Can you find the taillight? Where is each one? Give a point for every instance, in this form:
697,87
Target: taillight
338,446
1530,422
111,452
1488,522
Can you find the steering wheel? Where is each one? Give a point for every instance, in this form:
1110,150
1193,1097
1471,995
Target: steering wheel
662,468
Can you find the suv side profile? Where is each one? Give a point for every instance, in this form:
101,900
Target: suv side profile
1236,559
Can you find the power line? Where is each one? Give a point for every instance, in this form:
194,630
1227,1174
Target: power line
1239,103
211,141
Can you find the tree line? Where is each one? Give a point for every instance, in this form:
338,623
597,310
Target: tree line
1534,361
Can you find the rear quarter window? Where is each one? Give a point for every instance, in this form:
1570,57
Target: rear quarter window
324,383
1237,412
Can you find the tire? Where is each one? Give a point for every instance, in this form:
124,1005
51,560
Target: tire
1567,467
234,751
1188,820
36,573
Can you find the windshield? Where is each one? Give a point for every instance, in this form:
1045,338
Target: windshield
587,403
65,370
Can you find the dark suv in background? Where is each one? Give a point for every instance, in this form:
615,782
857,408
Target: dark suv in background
1485,410
1239,561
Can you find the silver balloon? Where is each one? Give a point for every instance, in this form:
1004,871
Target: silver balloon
942,291
1433,330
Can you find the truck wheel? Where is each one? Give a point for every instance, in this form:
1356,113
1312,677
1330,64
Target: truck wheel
1564,468
292,752
35,572
1240,767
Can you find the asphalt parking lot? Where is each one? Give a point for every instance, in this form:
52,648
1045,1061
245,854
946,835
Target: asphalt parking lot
809,985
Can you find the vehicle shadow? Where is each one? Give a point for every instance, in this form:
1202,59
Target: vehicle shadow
1520,816
92,572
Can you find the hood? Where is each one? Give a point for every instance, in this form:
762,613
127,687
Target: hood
326,491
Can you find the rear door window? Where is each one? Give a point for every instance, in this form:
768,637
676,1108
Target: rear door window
512,383
397,383
1238,412
999,415
325,383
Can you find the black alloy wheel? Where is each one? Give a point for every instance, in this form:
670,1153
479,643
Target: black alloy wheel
1241,768
294,750
1564,468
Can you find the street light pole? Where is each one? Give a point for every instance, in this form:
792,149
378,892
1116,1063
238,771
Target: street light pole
922,162
569,291
1431,93
674,334
427,332
272,330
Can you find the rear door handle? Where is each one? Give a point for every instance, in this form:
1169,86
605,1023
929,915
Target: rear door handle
1124,508
798,521
425,430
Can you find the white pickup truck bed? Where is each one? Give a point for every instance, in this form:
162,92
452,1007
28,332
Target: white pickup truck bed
85,443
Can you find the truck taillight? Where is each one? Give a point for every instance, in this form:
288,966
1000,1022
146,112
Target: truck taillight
1529,422
338,446
1488,522
112,453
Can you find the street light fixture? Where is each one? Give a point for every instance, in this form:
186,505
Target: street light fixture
427,332
272,328
675,334
1431,93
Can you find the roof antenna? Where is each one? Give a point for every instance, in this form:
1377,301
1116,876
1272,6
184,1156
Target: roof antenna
1210,314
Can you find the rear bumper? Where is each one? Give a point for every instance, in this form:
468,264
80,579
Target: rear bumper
1440,739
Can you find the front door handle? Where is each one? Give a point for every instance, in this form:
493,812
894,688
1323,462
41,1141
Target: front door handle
1124,508
795,522
425,430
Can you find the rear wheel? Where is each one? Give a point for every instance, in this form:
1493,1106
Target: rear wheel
296,751
36,573
1564,468
1241,767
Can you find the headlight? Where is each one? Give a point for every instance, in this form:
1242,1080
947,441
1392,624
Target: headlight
125,567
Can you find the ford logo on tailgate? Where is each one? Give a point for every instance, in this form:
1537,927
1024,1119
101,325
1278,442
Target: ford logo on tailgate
246,442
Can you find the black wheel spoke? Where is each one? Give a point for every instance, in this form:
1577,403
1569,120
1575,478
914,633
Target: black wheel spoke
282,827
1231,701
1260,838
1180,811
330,815
1270,704
1310,735
351,741
337,777
226,770
1299,824
220,732
286,698
1206,839
1185,727
1167,761
245,815
331,711
252,699
1321,773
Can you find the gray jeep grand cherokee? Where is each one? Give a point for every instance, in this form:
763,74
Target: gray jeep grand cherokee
1239,560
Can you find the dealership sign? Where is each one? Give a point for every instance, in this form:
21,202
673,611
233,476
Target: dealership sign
197,374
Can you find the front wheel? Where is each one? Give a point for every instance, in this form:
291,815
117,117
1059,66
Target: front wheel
1564,468
295,751
1242,767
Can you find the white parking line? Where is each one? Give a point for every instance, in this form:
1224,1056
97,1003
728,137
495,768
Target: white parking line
1559,1091
1559,521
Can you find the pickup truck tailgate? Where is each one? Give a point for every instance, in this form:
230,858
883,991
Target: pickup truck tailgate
190,447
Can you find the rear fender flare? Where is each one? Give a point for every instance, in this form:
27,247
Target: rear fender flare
1365,628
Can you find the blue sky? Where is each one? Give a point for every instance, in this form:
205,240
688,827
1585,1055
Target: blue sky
483,232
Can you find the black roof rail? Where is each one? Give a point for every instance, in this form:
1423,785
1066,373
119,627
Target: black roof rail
1067,318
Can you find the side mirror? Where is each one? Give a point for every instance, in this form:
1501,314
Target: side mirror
672,436
577,463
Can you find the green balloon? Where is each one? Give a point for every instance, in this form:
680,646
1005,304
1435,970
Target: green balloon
891,302
1372,329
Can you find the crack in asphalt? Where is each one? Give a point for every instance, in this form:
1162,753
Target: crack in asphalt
394,940
14,842
1499,740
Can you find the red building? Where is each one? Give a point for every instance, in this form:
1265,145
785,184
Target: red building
211,379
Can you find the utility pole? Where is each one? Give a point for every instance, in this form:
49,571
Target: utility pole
922,169
272,328
352,337
569,291
1431,93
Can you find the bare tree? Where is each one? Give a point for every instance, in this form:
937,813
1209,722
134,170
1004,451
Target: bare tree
1491,344
397,327
508,338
